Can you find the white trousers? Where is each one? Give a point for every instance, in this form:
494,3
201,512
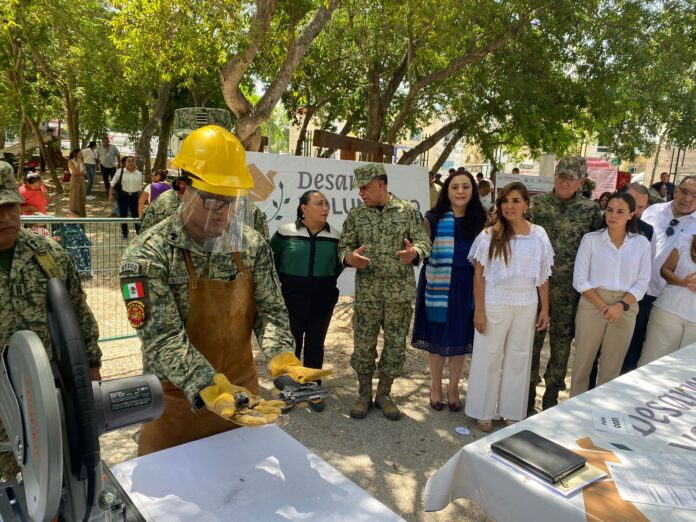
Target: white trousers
500,364
666,333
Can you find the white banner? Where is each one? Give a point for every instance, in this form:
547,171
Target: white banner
534,184
280,180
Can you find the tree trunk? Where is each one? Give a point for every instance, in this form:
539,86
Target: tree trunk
22,150
410,156
344,131
657,156
163,146
72,114
47,152
142,149
302,136
447,150
2,138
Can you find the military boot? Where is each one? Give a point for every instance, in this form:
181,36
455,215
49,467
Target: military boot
531,401
364,403
383,400
550,398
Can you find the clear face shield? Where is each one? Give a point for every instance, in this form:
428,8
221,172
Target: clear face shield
216,223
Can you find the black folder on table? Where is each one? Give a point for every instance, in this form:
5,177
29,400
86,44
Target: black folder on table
538,455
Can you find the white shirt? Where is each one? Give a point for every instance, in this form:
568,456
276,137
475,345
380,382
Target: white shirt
659,216
529,266
487,201
89,156
599,264
108,157
131,182
679,300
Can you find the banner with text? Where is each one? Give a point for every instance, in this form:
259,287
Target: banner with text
603,173
280,180
534,184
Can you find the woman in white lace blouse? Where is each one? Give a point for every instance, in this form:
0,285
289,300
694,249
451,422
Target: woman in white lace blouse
512,259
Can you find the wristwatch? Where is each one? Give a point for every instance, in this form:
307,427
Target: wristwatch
625,305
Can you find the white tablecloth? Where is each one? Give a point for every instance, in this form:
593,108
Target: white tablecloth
254,474
507,495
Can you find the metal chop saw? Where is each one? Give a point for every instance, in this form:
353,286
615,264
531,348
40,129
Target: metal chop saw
53,415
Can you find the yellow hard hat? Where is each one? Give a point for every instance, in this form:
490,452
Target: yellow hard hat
216,161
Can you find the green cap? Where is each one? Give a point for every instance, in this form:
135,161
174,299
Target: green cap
9,193
575,166
366,173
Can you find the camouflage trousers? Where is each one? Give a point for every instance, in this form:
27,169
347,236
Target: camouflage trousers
394,318
8,463
563,304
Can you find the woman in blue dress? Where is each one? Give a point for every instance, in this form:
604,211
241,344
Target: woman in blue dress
444,323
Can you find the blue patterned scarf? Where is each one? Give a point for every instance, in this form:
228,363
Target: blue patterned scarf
438,272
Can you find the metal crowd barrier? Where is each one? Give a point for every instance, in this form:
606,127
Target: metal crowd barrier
96,247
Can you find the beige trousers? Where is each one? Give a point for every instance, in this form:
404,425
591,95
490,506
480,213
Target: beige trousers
666,333
501,363
592,330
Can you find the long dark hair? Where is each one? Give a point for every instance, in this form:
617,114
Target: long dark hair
304,200
475,217
74,153
632,226
501,229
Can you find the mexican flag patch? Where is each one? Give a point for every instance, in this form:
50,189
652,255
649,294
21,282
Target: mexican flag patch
133,290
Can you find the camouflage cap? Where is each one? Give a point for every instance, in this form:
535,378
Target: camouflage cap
366,173
9,193
576,166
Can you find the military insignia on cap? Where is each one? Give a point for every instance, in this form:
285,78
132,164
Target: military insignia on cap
136,313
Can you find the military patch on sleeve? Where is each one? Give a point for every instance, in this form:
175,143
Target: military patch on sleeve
136,313
136,294
132,268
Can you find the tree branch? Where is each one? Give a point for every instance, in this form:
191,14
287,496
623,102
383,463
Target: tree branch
448,150
409,156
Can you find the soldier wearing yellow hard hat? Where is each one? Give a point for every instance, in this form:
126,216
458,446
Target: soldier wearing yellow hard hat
196,286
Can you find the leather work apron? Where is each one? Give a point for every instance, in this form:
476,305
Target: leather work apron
219,325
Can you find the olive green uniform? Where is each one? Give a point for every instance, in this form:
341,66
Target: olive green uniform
384,289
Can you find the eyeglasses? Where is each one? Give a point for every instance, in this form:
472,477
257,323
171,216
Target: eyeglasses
685,192
214,203
669,231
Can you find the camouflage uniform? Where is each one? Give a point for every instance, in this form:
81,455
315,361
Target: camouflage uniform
23,293
385,289
565,222
156,259
168,203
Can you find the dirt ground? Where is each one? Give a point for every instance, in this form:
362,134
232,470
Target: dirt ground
390,460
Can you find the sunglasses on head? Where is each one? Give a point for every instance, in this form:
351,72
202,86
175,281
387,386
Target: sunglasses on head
670,229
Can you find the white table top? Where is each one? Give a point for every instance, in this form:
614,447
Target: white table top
254,474
507,495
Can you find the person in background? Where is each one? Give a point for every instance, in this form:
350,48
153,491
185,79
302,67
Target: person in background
603,199
72,238
444,323
382,239
153,190
566,216
515,171
108,158
306,260
89,157
665,187
672,322
434,189
78,173
131,180
512,259
486,195
36,197
612,272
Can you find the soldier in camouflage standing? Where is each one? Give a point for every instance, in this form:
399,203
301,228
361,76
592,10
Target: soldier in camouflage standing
566,216
27,262
383,240
196,286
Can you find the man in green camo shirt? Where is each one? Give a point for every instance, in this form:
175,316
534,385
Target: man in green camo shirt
383,240
196,286
566,216
27,262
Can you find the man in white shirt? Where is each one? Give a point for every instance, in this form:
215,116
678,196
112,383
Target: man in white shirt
669,220
89,156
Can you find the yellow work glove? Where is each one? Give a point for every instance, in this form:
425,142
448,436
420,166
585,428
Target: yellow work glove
287,364
220,398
